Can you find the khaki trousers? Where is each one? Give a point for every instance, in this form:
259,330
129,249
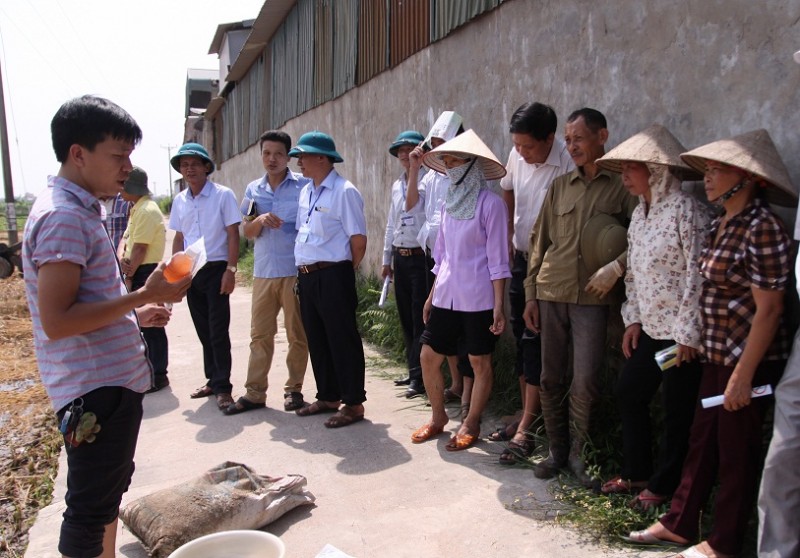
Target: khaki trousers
269,297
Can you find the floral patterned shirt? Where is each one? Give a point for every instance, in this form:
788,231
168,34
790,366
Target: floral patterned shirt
663,282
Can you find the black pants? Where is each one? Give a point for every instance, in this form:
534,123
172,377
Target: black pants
636,387
411,291
328,307
211,315
529,344
154,337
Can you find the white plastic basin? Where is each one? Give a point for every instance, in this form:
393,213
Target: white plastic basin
241,544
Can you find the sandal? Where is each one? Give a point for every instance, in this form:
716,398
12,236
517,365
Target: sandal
345,417
502,435
242,405
450,396
464,412
618,485
224,400
646,538
293,400
315,408
199,393
517,452
646,500
461,442
425,433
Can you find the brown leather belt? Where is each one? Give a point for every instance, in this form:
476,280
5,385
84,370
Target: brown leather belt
405,252
315,266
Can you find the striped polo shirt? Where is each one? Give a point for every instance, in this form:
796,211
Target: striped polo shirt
65,225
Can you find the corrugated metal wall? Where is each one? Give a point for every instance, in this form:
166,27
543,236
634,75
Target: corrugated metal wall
345,43
246,112
373,39
447,15
409,33
323,51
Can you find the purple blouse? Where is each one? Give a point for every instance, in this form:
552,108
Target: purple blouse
470,254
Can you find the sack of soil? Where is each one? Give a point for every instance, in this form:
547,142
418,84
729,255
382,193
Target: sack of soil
227,497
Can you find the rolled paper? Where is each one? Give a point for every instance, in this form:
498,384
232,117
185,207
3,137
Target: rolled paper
717,400
384,292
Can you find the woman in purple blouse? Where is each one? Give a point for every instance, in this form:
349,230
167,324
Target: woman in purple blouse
471,268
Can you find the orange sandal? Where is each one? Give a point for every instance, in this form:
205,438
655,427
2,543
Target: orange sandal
461,442
425,433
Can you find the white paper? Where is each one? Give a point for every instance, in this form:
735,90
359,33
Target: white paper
197,251
384,292
717,400
330,551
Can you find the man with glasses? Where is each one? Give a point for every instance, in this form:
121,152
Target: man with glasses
209,211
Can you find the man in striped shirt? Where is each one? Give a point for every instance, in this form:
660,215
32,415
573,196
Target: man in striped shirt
91,355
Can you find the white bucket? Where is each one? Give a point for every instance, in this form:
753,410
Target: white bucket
242,544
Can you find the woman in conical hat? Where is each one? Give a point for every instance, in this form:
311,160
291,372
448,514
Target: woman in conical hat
662,309
466,302
745,268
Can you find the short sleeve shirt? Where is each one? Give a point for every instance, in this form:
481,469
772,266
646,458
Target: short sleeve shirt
752,251
146,226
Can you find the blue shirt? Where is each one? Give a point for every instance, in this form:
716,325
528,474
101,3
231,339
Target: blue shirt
274,248
206,215
327,216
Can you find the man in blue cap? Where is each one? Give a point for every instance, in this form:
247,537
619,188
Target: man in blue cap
331,242
209,211
404,259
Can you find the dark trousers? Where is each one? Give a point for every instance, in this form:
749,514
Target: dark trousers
98,473
211,315
328,307
637,385
411,291
529,344
154,337
727,446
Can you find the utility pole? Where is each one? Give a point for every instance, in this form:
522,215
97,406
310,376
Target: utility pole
11,210
169,164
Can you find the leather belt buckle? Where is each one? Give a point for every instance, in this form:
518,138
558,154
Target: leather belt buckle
303,269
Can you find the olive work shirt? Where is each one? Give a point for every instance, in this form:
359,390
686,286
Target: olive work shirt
556,270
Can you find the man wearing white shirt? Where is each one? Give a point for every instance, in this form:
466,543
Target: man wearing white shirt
209,211
535,160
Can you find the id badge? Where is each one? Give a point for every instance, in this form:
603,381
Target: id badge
302,234
407,220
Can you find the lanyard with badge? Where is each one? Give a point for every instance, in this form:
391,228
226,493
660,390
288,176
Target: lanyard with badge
302,235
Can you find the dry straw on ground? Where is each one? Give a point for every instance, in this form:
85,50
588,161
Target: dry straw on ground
29,439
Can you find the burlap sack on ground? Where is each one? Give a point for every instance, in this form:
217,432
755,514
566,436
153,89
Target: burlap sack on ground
229,496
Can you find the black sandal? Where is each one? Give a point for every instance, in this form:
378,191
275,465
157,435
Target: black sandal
517,452
242,405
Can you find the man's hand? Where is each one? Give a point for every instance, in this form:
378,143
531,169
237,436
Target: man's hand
269,221
415,157
386,271
153,315
126,267
604,279
228,282
685,354
498,322
531,316
630,339
159,290
737,393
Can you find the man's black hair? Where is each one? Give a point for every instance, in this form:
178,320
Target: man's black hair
90,120
276,135
534,119
594,119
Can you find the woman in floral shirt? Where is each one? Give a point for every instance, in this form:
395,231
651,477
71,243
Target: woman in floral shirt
662,285
745,268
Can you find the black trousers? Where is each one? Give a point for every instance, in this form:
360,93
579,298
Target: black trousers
328,307
637,385
211,315
154,337
529,344
411,291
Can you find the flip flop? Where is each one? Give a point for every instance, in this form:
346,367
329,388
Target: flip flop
647,538
461,442
501,434
345,417
242,405
315,408
199,393
618,485
425,433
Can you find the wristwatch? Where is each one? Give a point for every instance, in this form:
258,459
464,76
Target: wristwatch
232,268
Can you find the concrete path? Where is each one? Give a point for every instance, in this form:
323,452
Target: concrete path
377,493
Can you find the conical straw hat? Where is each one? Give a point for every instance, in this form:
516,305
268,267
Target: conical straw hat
466,146
752,152
655,145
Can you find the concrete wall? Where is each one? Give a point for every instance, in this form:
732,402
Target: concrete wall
706,69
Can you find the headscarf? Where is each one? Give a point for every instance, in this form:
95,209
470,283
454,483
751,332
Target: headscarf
466,182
